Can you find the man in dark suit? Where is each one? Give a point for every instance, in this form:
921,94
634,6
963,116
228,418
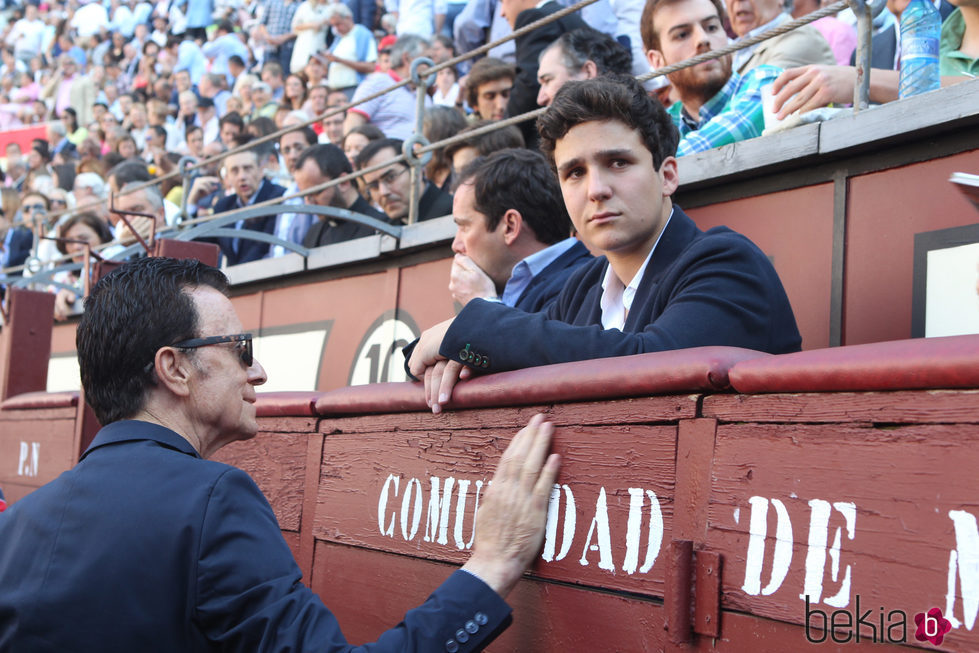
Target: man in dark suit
245,176
390,187
317,165
146,545
15,247
663,284
512,239
519,13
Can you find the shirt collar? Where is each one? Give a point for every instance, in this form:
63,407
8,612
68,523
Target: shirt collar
712,107
953,31
742,56
134,430
540,260
529,267
251,200
775,22
617,299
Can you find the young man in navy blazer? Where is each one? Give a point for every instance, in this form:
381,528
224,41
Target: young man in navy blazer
662,283
512,241
145,545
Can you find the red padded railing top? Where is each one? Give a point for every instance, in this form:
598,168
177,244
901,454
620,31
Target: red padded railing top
287,404
669,372
922,363
36,400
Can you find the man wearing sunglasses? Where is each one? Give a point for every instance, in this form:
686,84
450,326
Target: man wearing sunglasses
390,187
150,546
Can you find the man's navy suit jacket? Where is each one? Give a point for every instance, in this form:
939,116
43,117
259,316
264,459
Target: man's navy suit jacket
21,242
699,288
145,546
548,283
248,250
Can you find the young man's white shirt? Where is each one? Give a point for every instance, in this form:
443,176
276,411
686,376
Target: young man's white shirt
617,299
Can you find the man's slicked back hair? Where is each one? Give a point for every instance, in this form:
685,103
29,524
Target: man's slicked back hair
372,148
579,46
330,160
518,179
612,97
131,313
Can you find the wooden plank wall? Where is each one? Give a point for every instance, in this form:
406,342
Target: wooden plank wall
843,497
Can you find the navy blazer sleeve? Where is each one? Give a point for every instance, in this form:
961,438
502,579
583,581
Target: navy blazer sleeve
719,290
248,594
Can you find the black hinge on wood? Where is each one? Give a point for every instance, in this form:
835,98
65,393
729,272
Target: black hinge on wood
693,593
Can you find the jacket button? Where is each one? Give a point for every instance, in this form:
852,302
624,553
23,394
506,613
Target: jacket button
481,618
452,646
478,360
462,636
472,357
485,361
464,353
471,627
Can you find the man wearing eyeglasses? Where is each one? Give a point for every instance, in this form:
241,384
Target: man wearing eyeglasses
390,187
147,545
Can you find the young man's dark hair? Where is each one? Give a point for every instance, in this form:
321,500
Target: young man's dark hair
161,132
586,44
483,71
236,60
613,97
232,118
329,158
374,147
129,171
518,179
112,159
308,134
262,151
117,338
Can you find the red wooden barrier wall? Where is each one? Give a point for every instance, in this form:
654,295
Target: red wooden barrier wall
862,498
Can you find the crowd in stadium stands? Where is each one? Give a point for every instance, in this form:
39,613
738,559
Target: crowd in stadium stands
124,89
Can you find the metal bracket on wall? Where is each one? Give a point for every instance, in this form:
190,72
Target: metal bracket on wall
693,593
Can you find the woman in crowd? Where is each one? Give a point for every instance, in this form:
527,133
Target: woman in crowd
295,92
78,233
357,139
74,132
438,124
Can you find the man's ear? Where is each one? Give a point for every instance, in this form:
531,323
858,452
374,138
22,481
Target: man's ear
512,225
589,70
669,176
655,59
172,371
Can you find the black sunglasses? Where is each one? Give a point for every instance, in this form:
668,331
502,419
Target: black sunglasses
243,340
